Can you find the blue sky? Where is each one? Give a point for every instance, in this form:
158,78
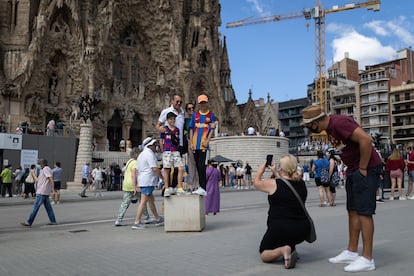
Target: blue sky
279,58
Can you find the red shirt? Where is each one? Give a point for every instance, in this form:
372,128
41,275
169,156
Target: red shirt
395,164
339,131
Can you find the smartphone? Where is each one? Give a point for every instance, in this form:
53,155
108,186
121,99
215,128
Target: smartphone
269,159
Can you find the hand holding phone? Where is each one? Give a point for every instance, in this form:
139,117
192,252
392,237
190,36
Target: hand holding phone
269,159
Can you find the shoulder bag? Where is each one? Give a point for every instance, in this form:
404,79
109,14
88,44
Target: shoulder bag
29,178
312,233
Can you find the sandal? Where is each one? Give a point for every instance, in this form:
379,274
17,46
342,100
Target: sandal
291,262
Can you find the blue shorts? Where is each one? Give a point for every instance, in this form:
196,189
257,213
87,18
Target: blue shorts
147,190
361,191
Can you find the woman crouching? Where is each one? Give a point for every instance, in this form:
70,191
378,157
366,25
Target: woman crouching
287,224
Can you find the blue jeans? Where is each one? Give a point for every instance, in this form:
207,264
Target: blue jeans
42,199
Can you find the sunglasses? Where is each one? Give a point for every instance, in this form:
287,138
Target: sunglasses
190,108
179,102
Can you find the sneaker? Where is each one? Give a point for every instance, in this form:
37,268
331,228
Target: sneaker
52,203
138,226
149,220
345,257
167,193
360,264
25,223
379,200
82,195
412,197
159,222
402,198
57,202
180,191
391,198
52,223
119,223
200,191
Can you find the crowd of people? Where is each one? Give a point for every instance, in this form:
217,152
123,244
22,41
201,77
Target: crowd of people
184,140
22,181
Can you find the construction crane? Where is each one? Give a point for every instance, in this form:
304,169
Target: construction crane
318,13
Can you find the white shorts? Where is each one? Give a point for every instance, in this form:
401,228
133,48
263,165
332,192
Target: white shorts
172,159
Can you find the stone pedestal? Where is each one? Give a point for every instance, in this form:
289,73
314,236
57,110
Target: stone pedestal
84,155
184,213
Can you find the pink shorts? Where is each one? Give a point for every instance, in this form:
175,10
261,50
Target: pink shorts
396,173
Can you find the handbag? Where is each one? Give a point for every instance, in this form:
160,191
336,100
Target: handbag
312,233
29,178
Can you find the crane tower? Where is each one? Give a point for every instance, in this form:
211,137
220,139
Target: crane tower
317,13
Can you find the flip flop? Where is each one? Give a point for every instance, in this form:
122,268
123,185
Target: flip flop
291,262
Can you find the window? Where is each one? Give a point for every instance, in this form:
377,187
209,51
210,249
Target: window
397,97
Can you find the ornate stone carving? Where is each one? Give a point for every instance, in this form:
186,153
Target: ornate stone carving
135,53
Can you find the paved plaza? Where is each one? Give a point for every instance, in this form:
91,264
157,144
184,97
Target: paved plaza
86,243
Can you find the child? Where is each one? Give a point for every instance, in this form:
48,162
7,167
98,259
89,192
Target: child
171,156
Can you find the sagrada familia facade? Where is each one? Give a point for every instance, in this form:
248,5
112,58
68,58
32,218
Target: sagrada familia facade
129,56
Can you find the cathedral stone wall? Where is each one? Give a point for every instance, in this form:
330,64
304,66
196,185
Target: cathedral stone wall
129,56
251,149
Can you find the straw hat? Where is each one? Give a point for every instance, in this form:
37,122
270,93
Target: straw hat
311,113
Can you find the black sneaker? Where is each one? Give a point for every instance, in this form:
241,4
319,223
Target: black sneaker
380,200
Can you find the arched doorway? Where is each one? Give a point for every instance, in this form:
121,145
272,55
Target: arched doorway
135,132
114,131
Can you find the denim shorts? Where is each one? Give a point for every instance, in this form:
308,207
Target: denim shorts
361,191
411,176
147,190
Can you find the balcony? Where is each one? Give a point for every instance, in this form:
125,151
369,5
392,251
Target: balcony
408,135
402,111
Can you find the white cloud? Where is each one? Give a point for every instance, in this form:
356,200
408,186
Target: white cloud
366,50
397,29
258,7
377,27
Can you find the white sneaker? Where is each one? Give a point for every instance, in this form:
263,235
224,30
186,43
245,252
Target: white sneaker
345,257
52,203
391,198
402,198
412,197
360,264
200,191
167,193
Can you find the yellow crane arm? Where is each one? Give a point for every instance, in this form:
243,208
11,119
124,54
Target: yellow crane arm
277,17
315,12
370,5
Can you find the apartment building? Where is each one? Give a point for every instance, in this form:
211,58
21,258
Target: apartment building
402,114
290,117
343,80
376,83
345,98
